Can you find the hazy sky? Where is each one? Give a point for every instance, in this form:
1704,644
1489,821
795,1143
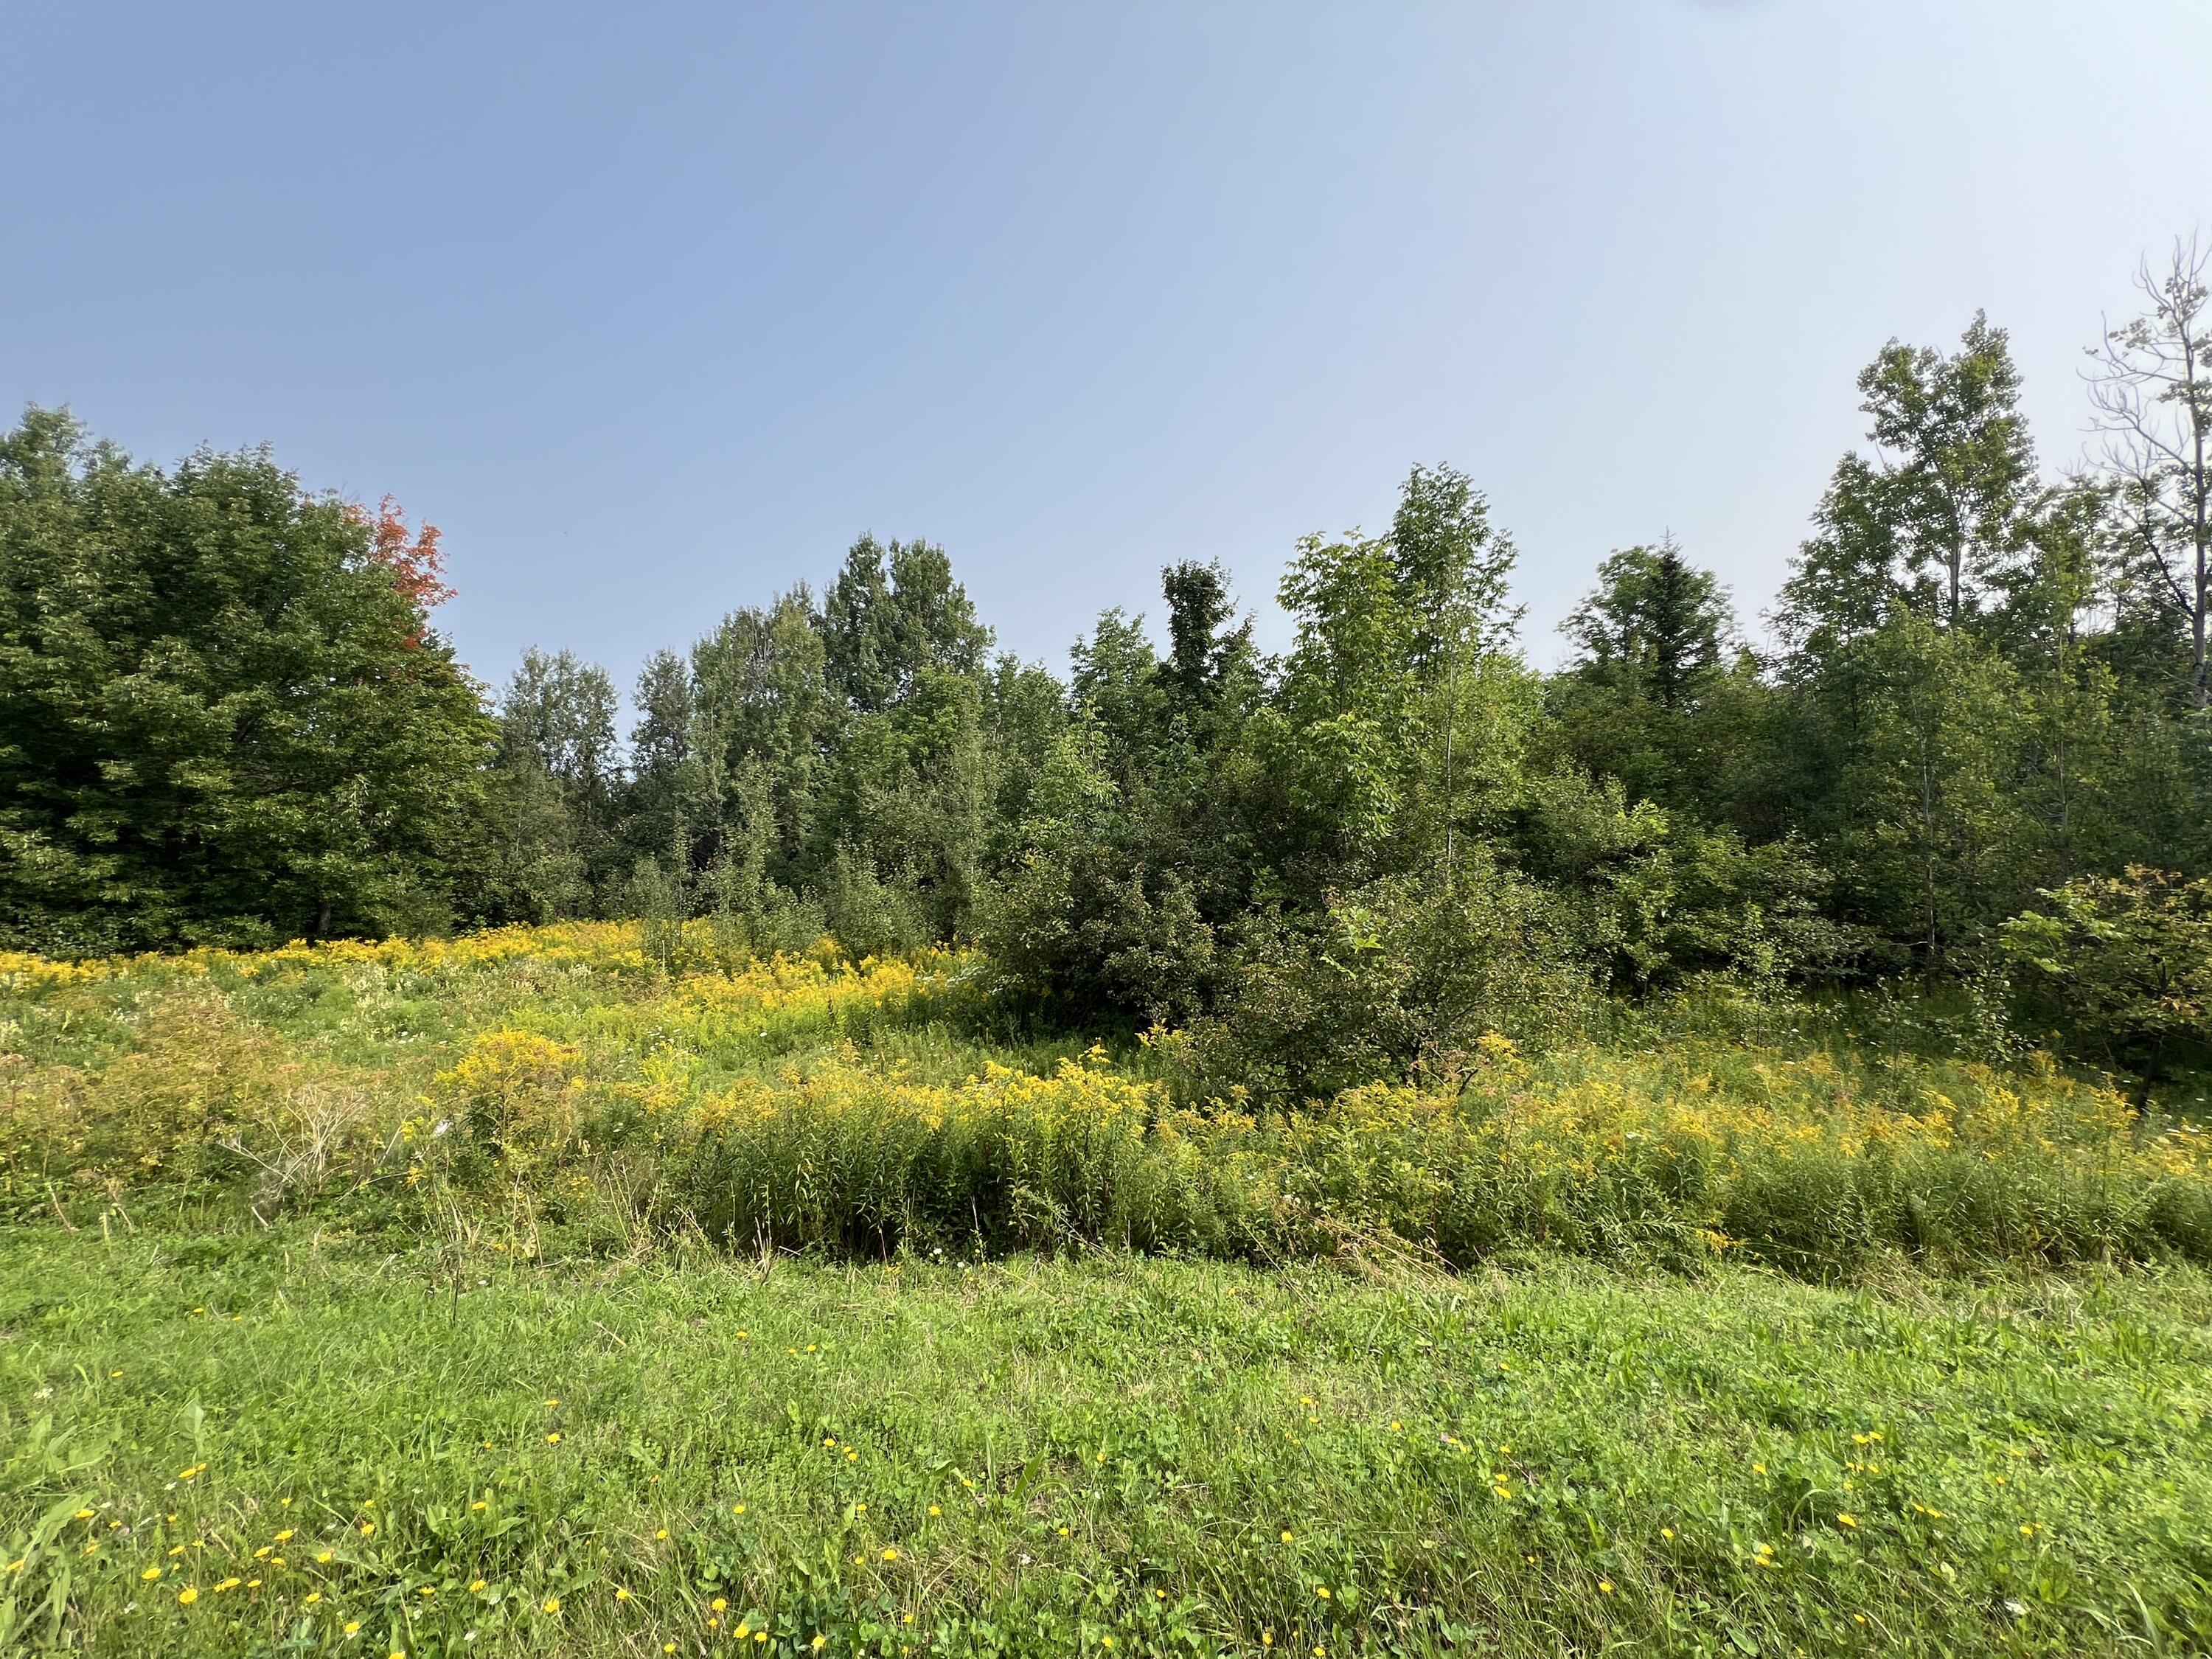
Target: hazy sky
653,308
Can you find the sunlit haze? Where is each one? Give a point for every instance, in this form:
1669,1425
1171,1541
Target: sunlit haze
656,309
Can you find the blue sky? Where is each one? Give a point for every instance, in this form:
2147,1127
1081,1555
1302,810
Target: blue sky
653,308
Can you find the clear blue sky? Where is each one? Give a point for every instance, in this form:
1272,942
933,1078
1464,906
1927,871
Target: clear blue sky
653,308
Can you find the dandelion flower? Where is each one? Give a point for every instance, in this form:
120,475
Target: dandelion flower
1847,1520
190,1594
353,1627
819,1643
1287,1539
622,1593
1322,1590
552,1604
475,1586
719,1605
554,1439
313,1597
150,1574
891,1555
933,1509
1605,1587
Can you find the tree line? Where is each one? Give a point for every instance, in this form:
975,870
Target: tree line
224,717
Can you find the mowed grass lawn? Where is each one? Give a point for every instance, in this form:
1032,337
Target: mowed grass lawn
245,1441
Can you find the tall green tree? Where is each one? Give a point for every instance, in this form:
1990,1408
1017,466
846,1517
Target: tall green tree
224,715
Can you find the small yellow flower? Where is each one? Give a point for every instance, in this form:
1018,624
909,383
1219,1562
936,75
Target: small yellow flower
737,1509
622,1592
367,1528
1322,1590
1847,1520
891,1555
1287,1539
719,1605
1759,1468
321,1556
313,1597
819,1642
186,1596
227,1585
478,1507
1666,1532
933,1509
1605,1587
285,1536
554,1439
353,1627
662,1535
150,1574
84,1514
552,1604
475,1586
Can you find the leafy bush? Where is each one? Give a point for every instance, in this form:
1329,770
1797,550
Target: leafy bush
1400,978
2126,964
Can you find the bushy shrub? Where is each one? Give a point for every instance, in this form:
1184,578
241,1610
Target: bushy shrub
1400,978
2124,964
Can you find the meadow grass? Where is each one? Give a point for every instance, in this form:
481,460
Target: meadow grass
277,1442
595,1289
813,1102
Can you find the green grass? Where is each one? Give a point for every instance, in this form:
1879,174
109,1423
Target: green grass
1114,1447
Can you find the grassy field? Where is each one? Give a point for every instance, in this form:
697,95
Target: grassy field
271,1443
597,1290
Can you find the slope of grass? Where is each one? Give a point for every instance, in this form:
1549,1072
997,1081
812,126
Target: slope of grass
658,1086
234,1442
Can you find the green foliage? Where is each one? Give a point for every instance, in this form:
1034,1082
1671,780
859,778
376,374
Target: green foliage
225,717
2125,963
